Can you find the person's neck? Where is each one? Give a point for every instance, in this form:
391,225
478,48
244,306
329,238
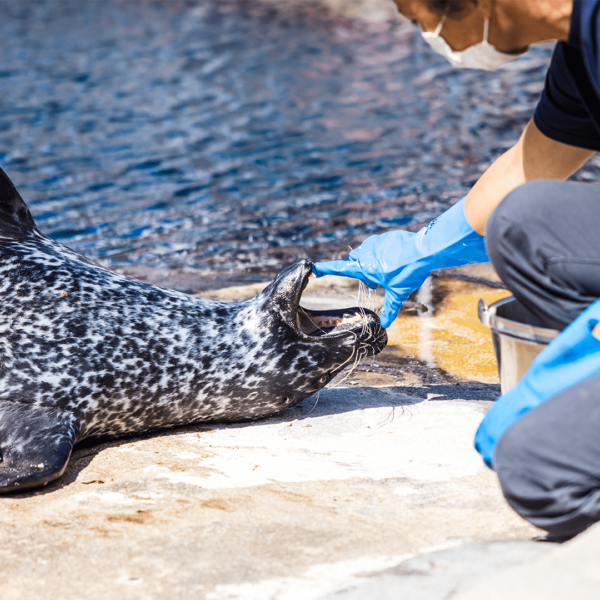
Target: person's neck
527,22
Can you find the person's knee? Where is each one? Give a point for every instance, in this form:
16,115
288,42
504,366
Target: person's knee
507,229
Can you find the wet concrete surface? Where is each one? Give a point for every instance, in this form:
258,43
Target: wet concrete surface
339,495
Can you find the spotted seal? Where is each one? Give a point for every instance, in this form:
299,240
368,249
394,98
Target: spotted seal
87,352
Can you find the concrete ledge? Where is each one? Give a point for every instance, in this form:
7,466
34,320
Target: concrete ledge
445,573
569,571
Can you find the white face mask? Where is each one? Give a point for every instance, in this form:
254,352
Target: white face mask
480,56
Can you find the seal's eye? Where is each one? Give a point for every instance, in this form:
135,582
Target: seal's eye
324,378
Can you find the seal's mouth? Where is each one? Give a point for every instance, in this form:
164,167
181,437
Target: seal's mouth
331,322
361,323
284,293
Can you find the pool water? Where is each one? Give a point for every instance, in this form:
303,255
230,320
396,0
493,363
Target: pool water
230,137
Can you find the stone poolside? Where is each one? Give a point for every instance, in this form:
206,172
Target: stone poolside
371,490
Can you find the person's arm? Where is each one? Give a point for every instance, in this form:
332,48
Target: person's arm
400,261
535,156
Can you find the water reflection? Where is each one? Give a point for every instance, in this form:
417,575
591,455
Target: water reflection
227,136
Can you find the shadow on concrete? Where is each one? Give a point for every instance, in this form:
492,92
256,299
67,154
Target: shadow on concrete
330,401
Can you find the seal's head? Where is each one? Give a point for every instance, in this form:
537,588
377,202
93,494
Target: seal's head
293,352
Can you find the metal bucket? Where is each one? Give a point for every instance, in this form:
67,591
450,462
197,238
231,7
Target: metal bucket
517,336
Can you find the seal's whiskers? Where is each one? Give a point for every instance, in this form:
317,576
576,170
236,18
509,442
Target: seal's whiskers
389,418
315,404
358,358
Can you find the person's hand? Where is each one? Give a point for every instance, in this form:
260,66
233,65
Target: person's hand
400,261
386,260
570,358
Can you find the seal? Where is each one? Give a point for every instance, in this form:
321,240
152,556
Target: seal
86,352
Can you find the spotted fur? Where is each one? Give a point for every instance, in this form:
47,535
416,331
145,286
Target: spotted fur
85,351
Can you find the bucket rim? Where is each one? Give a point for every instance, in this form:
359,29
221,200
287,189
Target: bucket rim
515,329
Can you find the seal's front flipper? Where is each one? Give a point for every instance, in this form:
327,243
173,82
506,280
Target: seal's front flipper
35,444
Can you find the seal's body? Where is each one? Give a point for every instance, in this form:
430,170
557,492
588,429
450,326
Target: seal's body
87,352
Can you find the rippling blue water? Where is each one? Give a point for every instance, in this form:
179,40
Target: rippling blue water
224,136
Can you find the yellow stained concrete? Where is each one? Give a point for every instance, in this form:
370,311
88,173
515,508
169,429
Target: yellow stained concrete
453,338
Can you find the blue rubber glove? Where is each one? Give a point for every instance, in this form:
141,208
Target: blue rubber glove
400,261
571,357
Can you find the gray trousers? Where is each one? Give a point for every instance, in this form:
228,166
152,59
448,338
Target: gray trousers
544,241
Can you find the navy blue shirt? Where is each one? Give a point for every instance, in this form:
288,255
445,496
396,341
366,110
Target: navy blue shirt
569,109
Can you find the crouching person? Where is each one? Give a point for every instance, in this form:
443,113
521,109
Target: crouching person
542,437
